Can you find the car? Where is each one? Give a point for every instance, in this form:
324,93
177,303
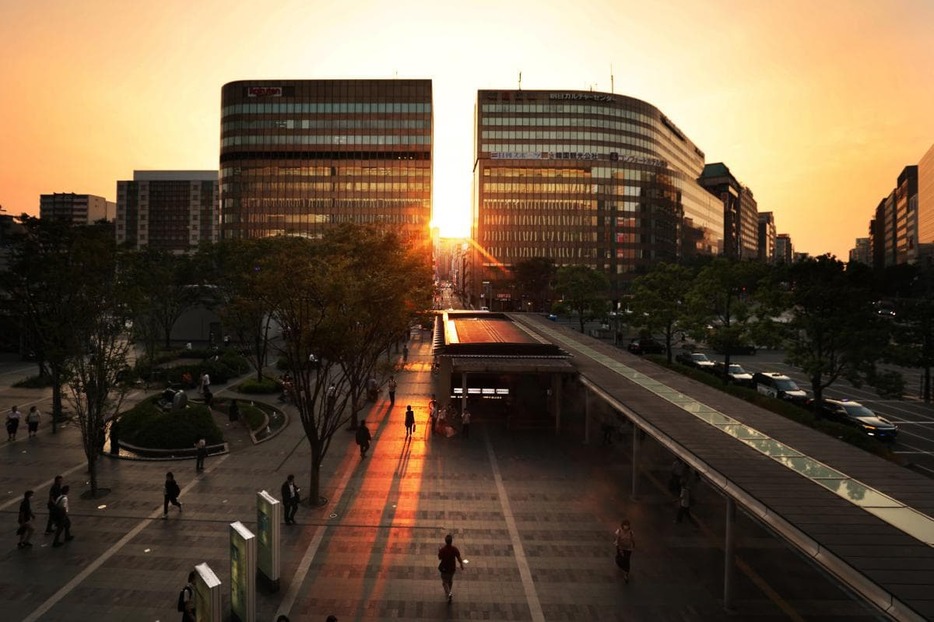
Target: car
696,359
856,415
645,345
775,384
735,349
735,374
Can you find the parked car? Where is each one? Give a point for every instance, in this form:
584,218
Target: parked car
779,385
736,349
696,359
735,374
646,345
855,414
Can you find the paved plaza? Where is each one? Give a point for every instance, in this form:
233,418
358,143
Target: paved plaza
533,512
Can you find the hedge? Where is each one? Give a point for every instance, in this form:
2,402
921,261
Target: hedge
265,386
147,425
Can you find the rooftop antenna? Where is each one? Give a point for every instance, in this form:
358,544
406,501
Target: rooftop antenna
520,80
611,79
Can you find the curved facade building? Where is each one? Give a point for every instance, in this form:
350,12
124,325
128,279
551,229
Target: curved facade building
584,178
299,156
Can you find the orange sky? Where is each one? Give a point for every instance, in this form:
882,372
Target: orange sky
816,106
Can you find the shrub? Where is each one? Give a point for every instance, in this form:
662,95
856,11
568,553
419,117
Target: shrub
35,382
147,425
254,416
265,386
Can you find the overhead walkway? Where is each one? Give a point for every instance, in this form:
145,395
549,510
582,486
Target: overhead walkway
865,520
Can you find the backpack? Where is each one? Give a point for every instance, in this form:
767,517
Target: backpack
182,600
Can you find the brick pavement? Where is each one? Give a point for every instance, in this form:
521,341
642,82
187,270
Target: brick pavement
533,514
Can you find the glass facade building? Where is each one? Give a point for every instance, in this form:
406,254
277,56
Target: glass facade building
583,178
300,156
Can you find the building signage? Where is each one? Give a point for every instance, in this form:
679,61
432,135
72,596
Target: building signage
575,155
264,91
581,97
519,155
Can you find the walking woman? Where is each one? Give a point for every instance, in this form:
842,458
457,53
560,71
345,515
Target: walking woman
625,543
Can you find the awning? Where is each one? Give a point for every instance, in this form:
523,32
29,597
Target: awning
504,364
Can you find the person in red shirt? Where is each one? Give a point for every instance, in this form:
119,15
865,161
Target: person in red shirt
450,556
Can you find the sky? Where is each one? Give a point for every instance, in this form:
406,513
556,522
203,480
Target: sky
815,106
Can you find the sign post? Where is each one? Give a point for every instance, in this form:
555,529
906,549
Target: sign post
268,527
207,595
242,573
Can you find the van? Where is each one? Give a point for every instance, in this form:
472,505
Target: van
778,385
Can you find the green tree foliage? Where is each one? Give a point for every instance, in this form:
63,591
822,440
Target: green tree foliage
834,331
658,301
913,327
533,278
584,291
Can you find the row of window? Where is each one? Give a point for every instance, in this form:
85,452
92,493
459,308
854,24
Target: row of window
268,107
569,109
300,187
575,254
518,190
262,205
328,124
288,172
568,135
328,139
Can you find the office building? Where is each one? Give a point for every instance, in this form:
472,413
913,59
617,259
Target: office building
174,211
301,156
784,251
766,237
740,211
583,178
862,252
925,204
75,209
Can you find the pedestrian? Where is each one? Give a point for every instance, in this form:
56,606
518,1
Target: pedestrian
405,353
170,494
290,499
331,397
12,423
625,543
54,493
201,452
363,438
208,398
450,556
392,390
432,413
32,420
114,436
233,411
372,389
409,421
25,519
678,471
684,502
465,423
205,383
62,518
186,599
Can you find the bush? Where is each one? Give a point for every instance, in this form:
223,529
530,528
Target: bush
254,415
228,365
147,425
265,386
34,382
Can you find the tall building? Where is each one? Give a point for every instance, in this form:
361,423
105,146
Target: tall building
784,251
926,204
906,216
740,212
583,178
862,252
300,156
766,237
174,211
76,209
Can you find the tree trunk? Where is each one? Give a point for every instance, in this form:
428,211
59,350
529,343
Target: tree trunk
314,479
56,399
92,471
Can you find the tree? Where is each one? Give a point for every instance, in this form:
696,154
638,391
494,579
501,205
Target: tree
834,331
913,329
583,289
658,301
533,278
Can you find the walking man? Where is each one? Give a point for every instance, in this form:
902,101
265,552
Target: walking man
432,413
12,423
405,353
290,499
54,493
62,518
26,517
201,449
205,383
625,543
392,390
409,421
450,556
465,423
363,438
170,495
32,421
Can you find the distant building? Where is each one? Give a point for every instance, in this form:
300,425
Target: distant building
740,213
766,237
784,251
174,211
582,178
75,209
299,157
925,204
862,252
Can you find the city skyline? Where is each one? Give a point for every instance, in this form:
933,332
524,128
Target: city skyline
817,116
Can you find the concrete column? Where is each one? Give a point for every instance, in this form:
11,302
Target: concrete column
729,554
463,391
442,382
